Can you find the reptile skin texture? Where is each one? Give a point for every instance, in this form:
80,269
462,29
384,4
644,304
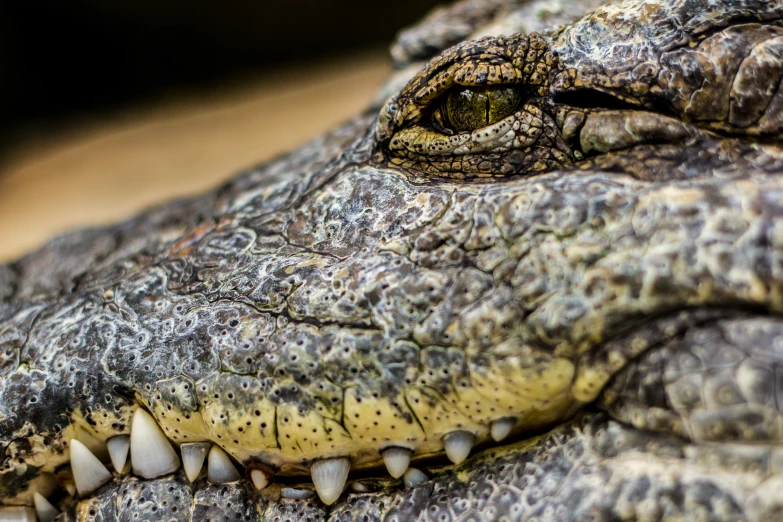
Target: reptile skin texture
564,218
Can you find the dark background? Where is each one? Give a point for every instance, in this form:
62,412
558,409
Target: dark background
61,59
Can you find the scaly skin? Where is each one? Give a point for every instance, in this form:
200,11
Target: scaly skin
604,266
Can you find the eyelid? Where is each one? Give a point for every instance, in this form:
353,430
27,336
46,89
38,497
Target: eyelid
412,132
522,60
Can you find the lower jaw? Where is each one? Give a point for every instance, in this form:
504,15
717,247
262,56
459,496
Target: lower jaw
162,498
253,484
366,458
590,465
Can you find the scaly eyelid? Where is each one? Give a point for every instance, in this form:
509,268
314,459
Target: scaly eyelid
412,128
522,60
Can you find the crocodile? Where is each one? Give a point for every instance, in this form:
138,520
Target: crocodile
540,278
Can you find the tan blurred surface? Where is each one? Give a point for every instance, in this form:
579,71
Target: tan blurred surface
109,170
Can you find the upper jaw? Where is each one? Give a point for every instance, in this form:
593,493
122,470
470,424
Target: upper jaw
559,263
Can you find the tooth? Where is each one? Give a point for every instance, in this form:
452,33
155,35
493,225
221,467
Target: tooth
500,428
118,451
69,486
296,493
151,452
46,511
88,472
458,445
413,477
17,514
329,476
396,460
358,487
260,479
193,455
220,469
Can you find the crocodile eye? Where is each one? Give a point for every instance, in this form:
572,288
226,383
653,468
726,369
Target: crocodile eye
480,109
468,109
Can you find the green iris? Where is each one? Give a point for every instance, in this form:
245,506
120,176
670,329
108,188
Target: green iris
470,109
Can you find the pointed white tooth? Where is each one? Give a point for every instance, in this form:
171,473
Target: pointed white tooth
193,455
297,493
397,460
329,476
260,478
151,452
458,445
46,511
70,487
88,472
358,487
500,428
17,514
413,477
118,451
220,469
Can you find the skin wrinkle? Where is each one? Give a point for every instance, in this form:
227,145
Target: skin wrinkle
739,99
570,300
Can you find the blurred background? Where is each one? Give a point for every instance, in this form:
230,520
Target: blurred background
109,107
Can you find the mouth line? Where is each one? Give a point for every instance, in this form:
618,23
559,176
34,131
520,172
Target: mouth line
113,460
291,487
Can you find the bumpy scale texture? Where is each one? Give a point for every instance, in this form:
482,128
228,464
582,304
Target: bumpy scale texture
603,266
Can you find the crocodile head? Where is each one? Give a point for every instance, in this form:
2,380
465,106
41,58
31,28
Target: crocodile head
546,272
